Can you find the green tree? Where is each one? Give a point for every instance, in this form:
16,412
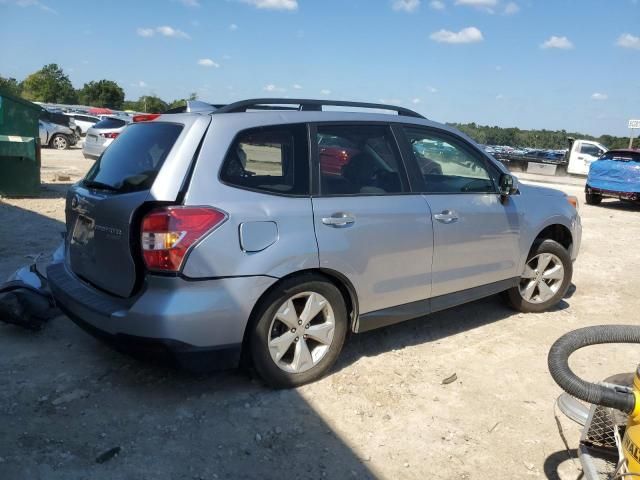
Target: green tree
10,85
103,93
183,101
49,84
151,104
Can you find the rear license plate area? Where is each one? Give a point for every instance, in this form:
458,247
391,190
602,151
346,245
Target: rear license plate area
83,230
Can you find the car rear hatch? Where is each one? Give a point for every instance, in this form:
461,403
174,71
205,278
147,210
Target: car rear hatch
104,130
147,164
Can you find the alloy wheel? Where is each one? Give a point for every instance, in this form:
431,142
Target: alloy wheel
60,143
301,332
542,278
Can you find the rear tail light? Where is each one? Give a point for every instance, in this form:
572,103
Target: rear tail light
169,232
145,118
109,135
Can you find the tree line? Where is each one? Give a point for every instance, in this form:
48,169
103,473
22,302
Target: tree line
51,85
543,139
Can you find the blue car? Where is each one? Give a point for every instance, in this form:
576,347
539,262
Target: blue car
615,174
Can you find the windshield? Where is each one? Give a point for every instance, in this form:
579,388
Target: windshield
133,160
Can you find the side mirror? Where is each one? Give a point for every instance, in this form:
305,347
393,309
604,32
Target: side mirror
508,185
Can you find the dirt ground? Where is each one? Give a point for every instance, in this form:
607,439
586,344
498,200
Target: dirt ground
383,412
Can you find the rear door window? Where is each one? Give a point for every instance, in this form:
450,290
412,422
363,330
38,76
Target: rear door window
133,160
110,123
269,159
359,160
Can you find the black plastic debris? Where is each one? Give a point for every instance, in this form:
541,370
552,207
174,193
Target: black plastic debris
25,300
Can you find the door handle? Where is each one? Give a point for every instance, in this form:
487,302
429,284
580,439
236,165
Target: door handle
339,220
446,216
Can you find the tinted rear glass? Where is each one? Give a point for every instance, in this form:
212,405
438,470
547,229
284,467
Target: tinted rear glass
110,123
622,156
133,160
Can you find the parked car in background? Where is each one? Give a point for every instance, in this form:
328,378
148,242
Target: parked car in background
217,236
102,134
56,136
615,174
83,121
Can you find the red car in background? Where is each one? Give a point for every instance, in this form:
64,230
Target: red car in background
335,153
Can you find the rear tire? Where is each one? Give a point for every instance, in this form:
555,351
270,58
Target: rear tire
59,142
546,278
593,198
299,331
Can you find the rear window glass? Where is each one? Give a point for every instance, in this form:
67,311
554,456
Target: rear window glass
622,156
110,123
133,160
269,159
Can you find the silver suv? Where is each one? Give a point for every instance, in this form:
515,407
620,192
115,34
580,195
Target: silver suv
267,230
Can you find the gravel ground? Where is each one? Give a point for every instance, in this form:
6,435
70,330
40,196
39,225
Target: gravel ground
71,408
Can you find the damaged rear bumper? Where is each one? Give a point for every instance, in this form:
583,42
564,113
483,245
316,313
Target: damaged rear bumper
199,323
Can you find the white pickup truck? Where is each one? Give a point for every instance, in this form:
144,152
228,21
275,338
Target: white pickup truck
581,154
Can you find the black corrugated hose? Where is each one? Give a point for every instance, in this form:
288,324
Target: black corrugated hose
590,392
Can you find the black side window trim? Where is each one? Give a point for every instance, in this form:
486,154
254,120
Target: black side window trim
418,184
280,126
315,158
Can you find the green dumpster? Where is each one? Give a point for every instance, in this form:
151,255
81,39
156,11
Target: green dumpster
19,146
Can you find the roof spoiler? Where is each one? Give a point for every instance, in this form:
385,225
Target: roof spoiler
195,106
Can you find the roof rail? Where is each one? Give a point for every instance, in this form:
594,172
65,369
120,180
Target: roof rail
307,105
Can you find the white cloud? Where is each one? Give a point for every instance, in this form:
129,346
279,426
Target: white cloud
405,5
325,91
233,27
190,3
164,30
511,8
297,86
432,89
599,96
416,101
33,3
142,84
273,88
168,31
478,3
562,43
466,35
207,62
626,40
274,4
145,32
437,5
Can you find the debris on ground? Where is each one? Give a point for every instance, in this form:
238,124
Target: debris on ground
450,379
108,455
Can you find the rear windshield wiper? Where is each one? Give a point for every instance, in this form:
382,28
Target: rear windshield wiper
99,185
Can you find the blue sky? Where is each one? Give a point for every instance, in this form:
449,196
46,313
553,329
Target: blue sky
572,64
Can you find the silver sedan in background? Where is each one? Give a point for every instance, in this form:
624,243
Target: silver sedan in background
102,134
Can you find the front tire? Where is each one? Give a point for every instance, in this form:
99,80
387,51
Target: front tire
59,142
299,332
545,280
